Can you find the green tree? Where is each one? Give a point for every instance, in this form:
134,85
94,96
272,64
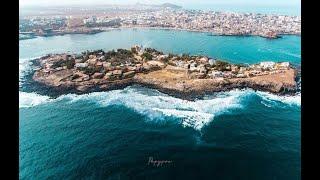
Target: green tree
70,64
134,50
185,56
221,65
147,55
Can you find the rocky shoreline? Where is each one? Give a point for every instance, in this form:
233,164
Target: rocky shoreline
186,77
210,32
55,91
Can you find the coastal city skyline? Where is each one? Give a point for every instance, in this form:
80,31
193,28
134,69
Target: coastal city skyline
290,3
285,7
93,19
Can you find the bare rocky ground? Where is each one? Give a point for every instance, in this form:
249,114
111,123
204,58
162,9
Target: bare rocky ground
183,76
173,81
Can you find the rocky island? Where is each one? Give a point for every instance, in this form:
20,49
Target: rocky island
184,76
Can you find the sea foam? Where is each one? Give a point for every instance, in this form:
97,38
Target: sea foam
27,100
25,67
292,100
156,105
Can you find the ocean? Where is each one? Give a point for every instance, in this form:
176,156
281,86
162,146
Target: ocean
240,134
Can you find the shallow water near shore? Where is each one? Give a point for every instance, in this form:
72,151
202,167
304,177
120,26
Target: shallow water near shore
232,48
241,134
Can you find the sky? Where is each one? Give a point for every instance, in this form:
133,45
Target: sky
23,3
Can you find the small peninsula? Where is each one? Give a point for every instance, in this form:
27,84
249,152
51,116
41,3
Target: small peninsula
184,76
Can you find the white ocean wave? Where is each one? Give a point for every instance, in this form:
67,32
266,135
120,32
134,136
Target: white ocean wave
25,67
193,119
156,106
266,104
31,99
287,99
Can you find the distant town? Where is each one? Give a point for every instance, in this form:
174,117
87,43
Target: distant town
89,20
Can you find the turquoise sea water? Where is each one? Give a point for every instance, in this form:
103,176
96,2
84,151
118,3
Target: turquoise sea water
232,48
241,134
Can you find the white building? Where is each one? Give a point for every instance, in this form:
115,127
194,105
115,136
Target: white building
267,64
283,65
180,63
81,65
215,74
212,62
162,57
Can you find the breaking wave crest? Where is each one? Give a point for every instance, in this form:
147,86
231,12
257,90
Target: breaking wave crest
24,65
24,68
157,106
272,98
31,99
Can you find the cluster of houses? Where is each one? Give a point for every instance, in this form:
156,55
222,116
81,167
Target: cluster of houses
123,64
224,23
112,65
203,67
